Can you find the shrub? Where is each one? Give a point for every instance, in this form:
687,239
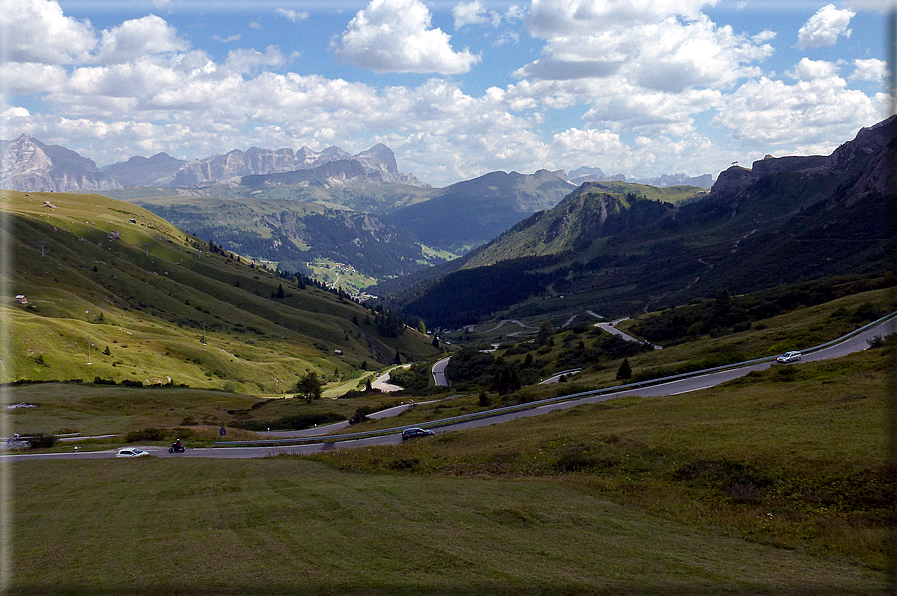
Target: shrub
361,414
866,312
296,422
147,434
41,441
879,342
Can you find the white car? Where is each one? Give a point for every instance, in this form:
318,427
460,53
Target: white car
132,452
788,357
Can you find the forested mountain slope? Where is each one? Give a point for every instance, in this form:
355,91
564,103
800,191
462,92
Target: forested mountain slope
785,220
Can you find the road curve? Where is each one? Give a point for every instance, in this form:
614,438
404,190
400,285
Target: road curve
439,372
382,382
856,343
612,329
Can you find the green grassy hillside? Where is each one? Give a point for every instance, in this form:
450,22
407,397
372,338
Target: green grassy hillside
595,210
133,301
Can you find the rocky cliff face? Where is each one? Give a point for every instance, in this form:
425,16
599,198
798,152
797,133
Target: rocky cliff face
29,165
268,167
236,164
865,164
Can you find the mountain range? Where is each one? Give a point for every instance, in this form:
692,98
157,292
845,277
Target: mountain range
30,165
614,249
590,174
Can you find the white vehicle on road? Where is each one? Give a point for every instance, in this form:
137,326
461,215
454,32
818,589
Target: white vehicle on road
788,357
132,452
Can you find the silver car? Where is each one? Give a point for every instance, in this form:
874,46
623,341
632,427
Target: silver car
132,452
788,357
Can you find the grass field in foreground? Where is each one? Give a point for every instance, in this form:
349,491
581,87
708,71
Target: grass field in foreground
288,526
793,456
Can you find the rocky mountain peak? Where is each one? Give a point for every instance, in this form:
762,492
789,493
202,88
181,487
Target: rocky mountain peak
849,160
382,154
30,165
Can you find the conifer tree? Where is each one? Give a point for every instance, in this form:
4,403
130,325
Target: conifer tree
625,371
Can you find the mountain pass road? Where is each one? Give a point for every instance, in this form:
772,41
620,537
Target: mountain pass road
439,373
855,343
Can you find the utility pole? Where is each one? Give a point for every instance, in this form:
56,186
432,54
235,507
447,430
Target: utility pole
203,334
41,242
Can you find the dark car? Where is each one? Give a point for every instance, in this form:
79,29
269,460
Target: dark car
410,433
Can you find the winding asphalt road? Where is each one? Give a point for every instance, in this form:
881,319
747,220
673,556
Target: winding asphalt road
611,328
439,372
856,343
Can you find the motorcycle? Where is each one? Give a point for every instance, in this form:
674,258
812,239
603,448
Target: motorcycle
177,448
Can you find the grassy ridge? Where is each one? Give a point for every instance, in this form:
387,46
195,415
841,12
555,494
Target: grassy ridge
149,294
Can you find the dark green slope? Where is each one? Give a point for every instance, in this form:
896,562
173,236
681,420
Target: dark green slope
293,233
786,220
474,211
594,210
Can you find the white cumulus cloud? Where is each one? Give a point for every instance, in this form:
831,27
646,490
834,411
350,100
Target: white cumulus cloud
25,78
136,38
808,69
470,13
564,17
810,116
38,31
872,69
824,27
396,36
670,54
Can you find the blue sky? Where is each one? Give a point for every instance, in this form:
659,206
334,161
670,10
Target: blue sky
456,88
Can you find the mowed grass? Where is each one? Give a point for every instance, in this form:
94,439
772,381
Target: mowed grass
290,526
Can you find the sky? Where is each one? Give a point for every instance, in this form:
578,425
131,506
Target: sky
456,88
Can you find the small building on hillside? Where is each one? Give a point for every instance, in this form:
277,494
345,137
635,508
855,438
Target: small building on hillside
21,299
